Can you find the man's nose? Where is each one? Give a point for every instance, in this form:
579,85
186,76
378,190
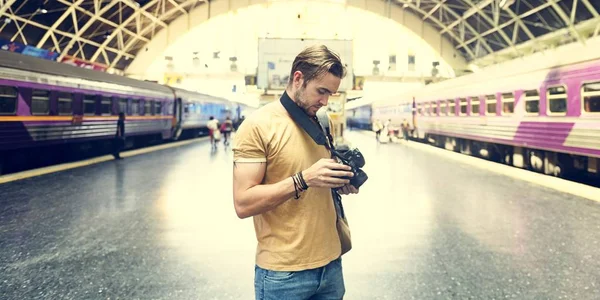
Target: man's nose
324,100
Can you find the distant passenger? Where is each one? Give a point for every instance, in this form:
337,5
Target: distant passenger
213,130
405,128
377,127
119,140
226,129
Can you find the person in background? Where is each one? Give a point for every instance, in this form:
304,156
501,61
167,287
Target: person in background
212,125
377,127
226,129
119,140
405,128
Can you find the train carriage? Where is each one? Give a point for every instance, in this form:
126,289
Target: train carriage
545,119
48,104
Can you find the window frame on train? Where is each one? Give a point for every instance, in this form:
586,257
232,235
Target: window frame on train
452,107
463,102
6,96
43,98
444,108
531,98
549,99
477,103
436,108
103,101
136,103
491,101
583,94
120,108
507,100
60,98
90,98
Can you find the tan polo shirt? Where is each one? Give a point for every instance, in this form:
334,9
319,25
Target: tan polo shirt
298,234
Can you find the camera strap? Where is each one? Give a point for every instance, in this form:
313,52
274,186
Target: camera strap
318,131
302,119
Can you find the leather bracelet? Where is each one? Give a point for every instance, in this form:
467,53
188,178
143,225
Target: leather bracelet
296,187
304,185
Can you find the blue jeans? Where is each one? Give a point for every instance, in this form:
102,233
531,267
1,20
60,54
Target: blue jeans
322,283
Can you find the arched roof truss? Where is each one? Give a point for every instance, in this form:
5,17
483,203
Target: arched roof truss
112,32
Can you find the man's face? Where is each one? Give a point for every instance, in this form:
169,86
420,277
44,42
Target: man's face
316,93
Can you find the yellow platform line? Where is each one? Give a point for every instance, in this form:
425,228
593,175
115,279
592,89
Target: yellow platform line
91,161
548,181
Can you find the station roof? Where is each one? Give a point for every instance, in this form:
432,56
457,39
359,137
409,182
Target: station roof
111,32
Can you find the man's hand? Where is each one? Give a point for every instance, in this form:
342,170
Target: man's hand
347,189
327,173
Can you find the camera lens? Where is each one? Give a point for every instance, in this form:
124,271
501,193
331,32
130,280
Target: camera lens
359,178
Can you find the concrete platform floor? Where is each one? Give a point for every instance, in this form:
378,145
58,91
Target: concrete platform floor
162,226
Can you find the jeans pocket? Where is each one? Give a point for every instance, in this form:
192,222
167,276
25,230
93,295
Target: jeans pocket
278,275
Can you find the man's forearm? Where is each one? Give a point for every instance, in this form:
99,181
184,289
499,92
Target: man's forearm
263,197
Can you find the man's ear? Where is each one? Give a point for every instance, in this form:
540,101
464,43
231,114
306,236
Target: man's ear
298,79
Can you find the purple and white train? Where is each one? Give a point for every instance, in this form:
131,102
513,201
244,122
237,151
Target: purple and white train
543,119
45,103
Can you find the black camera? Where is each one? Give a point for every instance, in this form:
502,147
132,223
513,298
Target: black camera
354,159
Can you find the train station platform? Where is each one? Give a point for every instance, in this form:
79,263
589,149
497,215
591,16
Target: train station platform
162,226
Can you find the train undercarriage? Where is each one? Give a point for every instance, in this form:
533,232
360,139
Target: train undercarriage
563,165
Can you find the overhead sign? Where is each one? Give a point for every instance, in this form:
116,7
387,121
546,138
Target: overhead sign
275,58
17,47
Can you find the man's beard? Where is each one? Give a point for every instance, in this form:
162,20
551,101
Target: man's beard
299,100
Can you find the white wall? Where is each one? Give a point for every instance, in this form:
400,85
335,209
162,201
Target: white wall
233,27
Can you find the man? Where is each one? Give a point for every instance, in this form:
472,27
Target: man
119,140
405,128
299,252
226,128
213,127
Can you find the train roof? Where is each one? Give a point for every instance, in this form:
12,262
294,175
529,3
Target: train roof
197,95
34,64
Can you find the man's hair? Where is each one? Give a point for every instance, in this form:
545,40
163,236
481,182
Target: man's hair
315,61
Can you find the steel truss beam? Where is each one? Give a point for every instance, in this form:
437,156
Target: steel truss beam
145,30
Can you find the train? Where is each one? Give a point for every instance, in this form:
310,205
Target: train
50,105
543,119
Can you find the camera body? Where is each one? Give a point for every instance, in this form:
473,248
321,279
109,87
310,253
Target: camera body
355,160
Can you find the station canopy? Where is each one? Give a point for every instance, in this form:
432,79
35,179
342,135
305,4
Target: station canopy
111,32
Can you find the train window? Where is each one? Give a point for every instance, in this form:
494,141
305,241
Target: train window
451,107
135,107
147,107
89,104
463,106
508,103
420,108
159,106
40,102
444,107
152,107
8,100
105,105
435,108
590,95
65,103
490,101
532,102
123,106
475,102
557,100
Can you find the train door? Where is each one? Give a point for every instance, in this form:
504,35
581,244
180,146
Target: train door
177,119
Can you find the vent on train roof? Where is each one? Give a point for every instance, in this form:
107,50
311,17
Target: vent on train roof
6,75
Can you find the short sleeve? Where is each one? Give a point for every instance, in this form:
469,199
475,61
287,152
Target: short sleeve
248,145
